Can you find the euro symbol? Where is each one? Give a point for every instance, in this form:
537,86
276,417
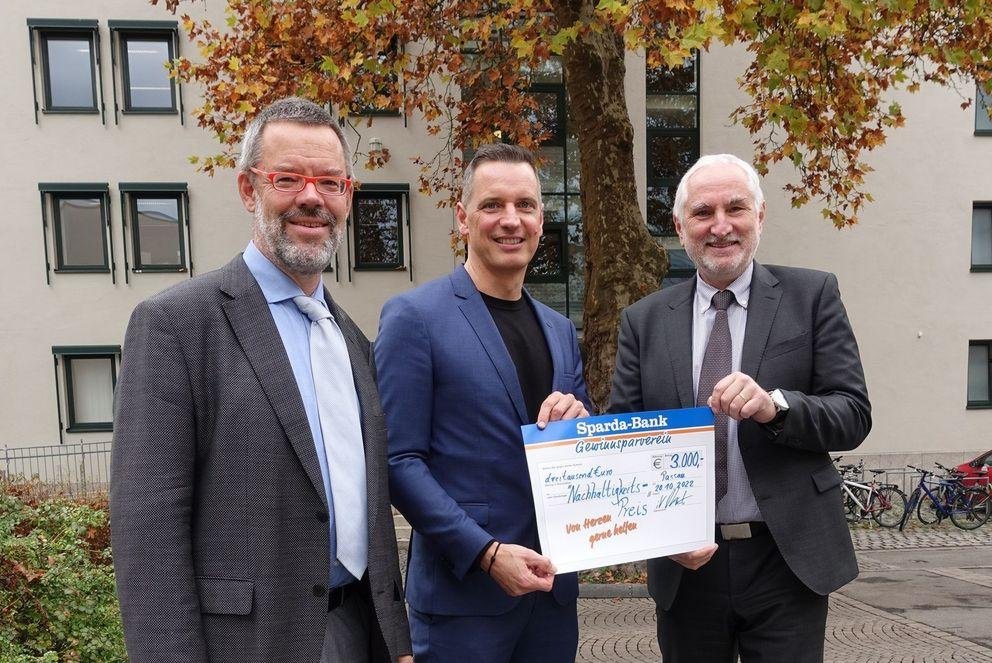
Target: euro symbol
658,462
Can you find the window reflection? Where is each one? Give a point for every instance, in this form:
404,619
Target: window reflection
69,71
148,86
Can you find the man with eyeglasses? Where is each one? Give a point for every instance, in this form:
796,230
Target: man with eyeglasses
249,503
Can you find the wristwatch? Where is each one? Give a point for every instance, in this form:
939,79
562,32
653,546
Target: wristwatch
781,405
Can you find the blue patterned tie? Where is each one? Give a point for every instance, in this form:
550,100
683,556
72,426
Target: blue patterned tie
341,428
717,364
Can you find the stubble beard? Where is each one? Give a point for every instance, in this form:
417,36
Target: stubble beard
308,258
720,270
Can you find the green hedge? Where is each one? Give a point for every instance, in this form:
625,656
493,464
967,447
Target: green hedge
57,598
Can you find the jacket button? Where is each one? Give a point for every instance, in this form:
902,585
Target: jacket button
319,590
322,516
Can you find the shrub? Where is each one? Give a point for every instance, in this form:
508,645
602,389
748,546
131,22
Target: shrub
57,598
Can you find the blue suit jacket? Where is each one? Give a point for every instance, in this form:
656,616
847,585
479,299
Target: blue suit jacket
457,469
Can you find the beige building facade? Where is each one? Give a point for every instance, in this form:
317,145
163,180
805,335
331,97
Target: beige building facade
104,210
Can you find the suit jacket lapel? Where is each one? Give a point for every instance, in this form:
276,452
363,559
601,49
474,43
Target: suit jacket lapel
762,307
256,331
555,349
475,311
678,331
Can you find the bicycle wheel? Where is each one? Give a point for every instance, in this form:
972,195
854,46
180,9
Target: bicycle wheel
969,510
888,506
927,510
984,501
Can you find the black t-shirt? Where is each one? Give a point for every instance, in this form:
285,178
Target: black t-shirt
524,339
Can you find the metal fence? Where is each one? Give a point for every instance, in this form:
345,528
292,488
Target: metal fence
906,478
903,477
76,470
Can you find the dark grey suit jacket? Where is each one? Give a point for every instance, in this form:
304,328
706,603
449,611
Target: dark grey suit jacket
218,513
798,339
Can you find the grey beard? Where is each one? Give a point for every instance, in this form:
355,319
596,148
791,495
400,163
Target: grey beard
302,259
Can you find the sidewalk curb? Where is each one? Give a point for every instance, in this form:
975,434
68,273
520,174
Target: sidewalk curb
595,590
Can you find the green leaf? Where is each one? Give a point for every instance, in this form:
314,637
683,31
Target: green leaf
778,60
327,64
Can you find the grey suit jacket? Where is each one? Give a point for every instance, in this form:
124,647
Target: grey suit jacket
218,513
797,339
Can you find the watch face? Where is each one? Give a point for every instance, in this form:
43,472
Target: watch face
779,400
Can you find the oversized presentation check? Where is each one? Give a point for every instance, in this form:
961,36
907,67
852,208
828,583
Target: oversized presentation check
622,488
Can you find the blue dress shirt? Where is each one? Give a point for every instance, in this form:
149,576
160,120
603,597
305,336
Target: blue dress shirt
294,330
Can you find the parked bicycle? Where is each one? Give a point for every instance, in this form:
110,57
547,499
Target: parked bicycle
944,497
978,497
883,503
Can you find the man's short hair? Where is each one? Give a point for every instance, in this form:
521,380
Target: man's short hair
753,181
288,109
497,152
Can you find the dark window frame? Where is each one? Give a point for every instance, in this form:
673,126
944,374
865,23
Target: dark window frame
567,197
40,32
693,133
68,353
559,133
123,31
986,404
131,193
561,276
401,194
983,100
51,193
979,267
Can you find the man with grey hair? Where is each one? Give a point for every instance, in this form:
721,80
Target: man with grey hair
249,504
770,350
465,360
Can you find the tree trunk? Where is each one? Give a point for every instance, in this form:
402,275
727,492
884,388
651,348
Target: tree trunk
623,261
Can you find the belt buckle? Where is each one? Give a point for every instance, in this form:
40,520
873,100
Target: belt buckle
735,531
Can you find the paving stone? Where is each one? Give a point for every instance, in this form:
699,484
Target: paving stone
617,630
860,633
624,630
919,536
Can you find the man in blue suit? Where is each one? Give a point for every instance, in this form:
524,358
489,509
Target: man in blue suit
464,361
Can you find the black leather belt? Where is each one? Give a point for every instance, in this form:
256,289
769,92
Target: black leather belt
735,531
337,596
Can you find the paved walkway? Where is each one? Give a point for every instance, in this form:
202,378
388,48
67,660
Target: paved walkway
937,605
916,535
924,596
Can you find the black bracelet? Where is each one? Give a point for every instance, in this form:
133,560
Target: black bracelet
492,560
